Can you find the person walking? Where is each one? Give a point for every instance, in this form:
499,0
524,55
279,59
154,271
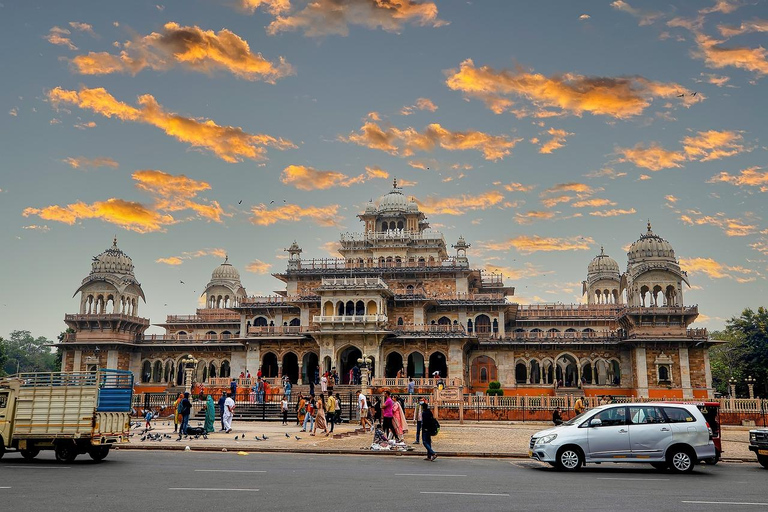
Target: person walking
229,412
221,409
411,386
309,417
323,384
233,389
210,414
330,407
301,409
177,412
320,416
387,415
186,409
399,421
417,418
376,406
578,407
287,388
259,390
284,409
429,427
337,419
362,407
148,419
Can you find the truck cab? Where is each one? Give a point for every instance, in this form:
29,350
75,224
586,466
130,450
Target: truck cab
758,443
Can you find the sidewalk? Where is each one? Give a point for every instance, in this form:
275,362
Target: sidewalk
486,439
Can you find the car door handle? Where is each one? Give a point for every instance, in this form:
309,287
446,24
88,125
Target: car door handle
622,431
664,429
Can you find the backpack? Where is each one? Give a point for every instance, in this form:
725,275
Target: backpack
435,427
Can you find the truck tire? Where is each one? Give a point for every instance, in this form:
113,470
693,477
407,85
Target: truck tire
66,452
98,453
762,459
30,453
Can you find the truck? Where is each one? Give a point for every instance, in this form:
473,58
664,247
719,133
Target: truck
758,443
72,413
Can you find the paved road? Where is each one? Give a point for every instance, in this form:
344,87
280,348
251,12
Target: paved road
194,481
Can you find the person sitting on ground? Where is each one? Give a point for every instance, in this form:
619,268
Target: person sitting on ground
557,417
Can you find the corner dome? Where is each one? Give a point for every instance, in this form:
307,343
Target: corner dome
112,261
651,246
603,263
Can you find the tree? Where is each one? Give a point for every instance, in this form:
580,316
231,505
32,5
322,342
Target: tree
745,352
26,353
3,356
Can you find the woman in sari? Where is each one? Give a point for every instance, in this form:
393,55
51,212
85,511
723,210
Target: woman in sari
177,412
210,414
320,416
398,419
301,409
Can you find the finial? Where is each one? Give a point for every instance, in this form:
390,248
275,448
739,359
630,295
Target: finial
649,225
602,252
114,241
394,183
226,257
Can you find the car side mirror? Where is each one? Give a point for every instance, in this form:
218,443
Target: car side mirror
595,422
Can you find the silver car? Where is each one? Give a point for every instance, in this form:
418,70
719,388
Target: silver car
667,435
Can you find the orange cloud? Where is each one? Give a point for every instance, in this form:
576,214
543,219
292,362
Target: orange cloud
188,255
321,215
715,269
593,203
702,147
723,6
421,104
258,267
652,157
579,188
82,27
716,56
557,141
405,142
333,17
459,205
126,214
531,216
229,143
273,6
81,162
192,47
176,193
518,187
173,260
60,36
529,244
645,17
605,173
747,178
731,226
754,25
549,202
620,97
307,178
717,80
613,213
332,248
376,173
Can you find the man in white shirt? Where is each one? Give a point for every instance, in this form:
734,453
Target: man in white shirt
284,409
362,406
229,409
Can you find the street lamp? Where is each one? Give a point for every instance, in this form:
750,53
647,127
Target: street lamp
732,386
190,363
751,385
365,363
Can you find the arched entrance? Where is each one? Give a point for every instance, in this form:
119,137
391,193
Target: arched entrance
416,365
567,371
291,367
269,365
327,364
483,371
393,365
437,363
310,368
348,360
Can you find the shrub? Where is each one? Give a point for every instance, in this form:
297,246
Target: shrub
494,384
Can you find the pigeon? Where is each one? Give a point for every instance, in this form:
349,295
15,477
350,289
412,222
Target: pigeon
144,438
264,437
680,95
182,282
271,202
240,202
237,437
286,435
297,438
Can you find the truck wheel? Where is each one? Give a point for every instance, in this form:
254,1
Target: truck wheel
680,460
569,459
99,453
762,459
66,452
29,453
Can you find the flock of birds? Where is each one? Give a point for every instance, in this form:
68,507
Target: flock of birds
146,435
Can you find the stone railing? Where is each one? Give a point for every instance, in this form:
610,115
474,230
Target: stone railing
185,338
568,311
429,328
105,317
419,382
578,335
274,330
349,319
215,315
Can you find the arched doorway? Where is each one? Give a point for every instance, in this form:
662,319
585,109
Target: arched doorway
393,365
269,365
416,365
437,363
348,360
567,371
310,368
327,364
291,367
482,371
521,373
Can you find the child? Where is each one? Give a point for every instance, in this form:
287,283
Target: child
284,409
148,418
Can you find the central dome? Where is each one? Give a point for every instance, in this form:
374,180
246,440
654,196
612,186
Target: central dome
112,261
651,246
225,271
394,200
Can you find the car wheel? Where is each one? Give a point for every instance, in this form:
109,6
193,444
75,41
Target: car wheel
762,459
30,453
680,460
99,453
661,466
569,459
66,452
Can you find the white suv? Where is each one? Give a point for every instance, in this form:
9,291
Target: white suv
667,435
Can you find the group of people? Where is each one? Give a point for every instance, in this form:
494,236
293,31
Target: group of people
315,414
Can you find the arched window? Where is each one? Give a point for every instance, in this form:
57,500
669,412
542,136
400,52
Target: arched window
295,322
350,308
157,371
146,371
482,324
392,225
663,374
260,321
384,226
495,326
399,224
225,370
469,325
399,320
521,373
360,308
444,320
409,289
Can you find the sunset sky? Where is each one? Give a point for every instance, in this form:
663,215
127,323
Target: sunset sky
537,130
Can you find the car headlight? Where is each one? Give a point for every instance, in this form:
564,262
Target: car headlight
546,439
752,437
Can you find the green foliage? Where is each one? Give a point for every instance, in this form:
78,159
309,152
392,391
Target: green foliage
28,354
494,389
3,356
744,353
494,384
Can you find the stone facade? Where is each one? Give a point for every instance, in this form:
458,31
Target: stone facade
399,298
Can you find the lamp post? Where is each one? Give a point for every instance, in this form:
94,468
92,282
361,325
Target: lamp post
190,363
751,385
365,363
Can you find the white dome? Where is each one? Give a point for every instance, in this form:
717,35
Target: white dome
651,247
603,263
393,201
112,261
225,271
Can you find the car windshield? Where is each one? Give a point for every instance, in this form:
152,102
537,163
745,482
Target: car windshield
575,419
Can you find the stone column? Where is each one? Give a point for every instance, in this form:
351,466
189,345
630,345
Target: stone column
455,360
301,373
505,366
708,375
76,365
502,332
252,357
112,359
641,371
685,373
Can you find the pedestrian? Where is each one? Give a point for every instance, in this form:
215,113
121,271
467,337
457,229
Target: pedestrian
309,417
148,419
210,414
337,419
284,409
287,388
323,384
411,386
259,391
362,406
229,410
429,427
248,375
233,389
387,416
351,376
330,407
258,373
320,416
417,418
398,418
177,412
578,407
557,417
242,375
376,406
221,409
301,409
186,409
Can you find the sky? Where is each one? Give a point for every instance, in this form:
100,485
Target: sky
540,131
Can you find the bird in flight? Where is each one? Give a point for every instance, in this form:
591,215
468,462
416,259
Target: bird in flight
182,282
240,202
695,93
271,202
680,95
